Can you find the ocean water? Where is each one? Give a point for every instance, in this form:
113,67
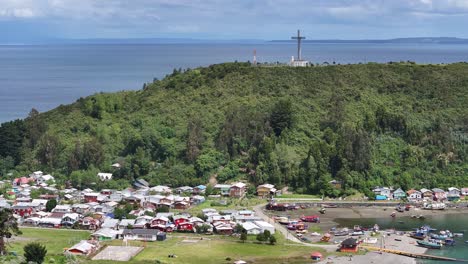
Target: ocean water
453,222
44,77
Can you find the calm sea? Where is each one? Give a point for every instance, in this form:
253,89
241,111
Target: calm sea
44,77
454,223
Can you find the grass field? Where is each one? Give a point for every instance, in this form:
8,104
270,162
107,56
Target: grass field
210,249
55,240
299,196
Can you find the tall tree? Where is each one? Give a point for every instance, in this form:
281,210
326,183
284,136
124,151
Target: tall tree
49,150
35,127
8,228
282,116
194,138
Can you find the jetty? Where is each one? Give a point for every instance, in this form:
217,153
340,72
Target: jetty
412,255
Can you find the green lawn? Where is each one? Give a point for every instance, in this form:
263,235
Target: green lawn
299,196
246,203
211,250
55,240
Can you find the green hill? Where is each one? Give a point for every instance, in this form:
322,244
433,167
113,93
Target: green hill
394,124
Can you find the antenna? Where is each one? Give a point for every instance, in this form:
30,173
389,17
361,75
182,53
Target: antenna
254,57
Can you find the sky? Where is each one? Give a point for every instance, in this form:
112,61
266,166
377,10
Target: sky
29,20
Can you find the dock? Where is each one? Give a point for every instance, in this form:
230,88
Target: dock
412,255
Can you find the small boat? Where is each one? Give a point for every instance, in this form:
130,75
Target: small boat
329,206
400,209
393,214
322,211
449,242
341,233
458,234
414,216
357,233
429,244
418,235
439,236
466,241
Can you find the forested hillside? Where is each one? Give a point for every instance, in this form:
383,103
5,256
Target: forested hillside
395,124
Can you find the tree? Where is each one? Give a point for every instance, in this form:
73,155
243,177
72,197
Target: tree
261,237
282,116
50,205
35,252
8,227
194,138
243,237
272,240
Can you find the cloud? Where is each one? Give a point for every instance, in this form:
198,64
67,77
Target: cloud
226,18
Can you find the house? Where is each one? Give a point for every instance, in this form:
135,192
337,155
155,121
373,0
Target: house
83,248
159,221
45,178
265,226
266,190
104,176
184,189
140,183
70,219
105,234
426,194
383,191
219,219
182,205
80,208
464,191
222,189
197,199
178,219
349,245
453,194
50,222
36,174
125,223
223,229
186,226
237,190
399,194
31,221
336,184
196,221
65,208
251,228
161,189
200,189
23,209
91,197
143,234
142,221
116,165
110,223
439,195
90,223
414,195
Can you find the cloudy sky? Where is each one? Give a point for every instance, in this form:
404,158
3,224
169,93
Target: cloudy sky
236,19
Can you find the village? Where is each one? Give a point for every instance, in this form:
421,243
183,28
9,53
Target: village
149,213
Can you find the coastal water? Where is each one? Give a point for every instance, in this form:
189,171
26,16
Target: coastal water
452,222
44,77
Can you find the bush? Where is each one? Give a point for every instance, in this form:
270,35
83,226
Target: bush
35,252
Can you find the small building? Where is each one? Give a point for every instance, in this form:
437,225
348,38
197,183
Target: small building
83,248
222,189
379,197
439,195
349,245
414,195
464,191
266,190
453,194
104,176
65,208
399,194
384,191
91,197
426,194
182,205
200,189
104,234
143,234
237,190
317,256
251,228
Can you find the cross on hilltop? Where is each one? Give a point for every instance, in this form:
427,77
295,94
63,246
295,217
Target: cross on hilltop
299,38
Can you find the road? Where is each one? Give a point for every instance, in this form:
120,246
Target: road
280,228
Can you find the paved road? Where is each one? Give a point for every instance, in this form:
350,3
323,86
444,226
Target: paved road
278,227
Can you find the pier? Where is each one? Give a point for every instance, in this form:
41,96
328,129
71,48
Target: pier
412,255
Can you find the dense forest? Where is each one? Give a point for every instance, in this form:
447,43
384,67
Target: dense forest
395,124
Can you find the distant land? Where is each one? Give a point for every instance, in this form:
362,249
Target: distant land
107,41
418,40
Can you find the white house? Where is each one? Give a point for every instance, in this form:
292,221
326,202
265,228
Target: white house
82,248
251,228
385,191
453,193
65,208
45,178
104,176
414,195
265,226
464,191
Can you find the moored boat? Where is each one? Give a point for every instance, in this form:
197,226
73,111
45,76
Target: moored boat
429,244
418,235
458,234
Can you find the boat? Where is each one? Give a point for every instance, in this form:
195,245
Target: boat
400,209
458,234
310,218
418,235
439,236
329,206
283,220
341,233
357,233
434,206
449,242
393,214
322,211
429,244
315,234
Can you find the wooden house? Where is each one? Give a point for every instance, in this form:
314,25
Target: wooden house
237,190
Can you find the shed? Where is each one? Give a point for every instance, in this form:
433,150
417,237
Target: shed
316,256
